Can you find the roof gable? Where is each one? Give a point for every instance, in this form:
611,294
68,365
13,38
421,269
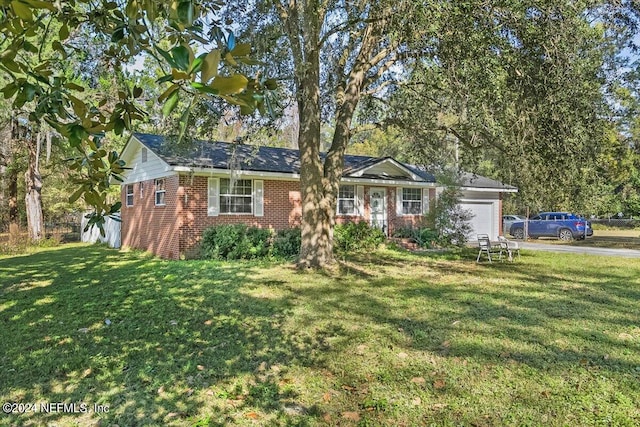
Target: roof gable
386,168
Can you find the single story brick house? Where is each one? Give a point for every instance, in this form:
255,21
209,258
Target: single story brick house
170,195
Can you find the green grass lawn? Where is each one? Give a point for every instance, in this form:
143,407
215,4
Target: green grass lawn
385,339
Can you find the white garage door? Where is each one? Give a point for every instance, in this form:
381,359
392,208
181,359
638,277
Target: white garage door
482,220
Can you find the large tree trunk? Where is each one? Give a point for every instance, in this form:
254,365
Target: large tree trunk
316,249
33,189
320,178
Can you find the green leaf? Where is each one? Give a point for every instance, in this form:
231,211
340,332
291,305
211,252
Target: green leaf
11,65
167,92
171,103
63,34
58,46
22,10
203,88
185,13
76,135
76,195
118,126
241,49
79,107
271,84
167,56
29,91
117,35
73,86
137,91
9,90
165,79
115,207
38,4
181,57
230,85
210,66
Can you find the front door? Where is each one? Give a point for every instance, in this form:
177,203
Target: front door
378,208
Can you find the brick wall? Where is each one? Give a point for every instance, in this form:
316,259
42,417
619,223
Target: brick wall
173,230
282,209
149,227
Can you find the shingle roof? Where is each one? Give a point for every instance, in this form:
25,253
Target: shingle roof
477,181
208,154
219,155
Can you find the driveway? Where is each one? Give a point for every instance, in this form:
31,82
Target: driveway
624,253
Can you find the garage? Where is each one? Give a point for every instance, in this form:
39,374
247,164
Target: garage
483,198
483,218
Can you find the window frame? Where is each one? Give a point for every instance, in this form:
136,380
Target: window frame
222,196
160,193
406,203
354,199
129,195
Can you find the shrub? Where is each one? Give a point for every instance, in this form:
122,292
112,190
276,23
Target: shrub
235,242
449,219
286,244
357,237
425,237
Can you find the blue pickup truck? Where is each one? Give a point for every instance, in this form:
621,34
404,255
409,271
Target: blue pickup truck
561,225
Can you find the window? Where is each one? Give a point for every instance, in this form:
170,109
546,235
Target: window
236,197
347,200
129,192
160,192
141,189
143,154
411,201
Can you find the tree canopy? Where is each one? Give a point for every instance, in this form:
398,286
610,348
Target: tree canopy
200,59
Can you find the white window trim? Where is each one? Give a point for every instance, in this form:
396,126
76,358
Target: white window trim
213,198
424,201
157,192
127,195
355,201
220,196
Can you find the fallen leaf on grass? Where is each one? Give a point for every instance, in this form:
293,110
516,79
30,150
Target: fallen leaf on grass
439,384
208,322
161,390
326,418
418,380
352,416
403,355
200,368
416,402
326,397
361,349
253,415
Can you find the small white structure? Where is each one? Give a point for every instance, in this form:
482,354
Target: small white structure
111,231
